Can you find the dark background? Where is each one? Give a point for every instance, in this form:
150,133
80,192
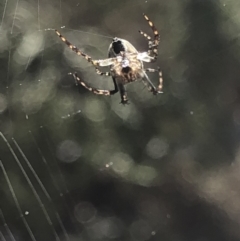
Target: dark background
75,166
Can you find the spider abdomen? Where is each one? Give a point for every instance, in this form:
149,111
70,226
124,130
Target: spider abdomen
129,72
127,75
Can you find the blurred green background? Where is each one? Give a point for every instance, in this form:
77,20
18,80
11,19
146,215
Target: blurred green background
76,166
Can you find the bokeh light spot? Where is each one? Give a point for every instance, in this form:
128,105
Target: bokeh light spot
157,148
85,212
122,163
69,151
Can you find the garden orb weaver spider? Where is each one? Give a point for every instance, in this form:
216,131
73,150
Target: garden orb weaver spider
126,64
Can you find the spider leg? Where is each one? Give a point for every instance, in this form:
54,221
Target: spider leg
148,83
150,41
94,90
103,62
151,44
123,93
156,37
160,76
145,57
102,73
145,35
75,49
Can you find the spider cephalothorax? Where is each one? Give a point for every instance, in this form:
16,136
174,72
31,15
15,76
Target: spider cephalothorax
117,46
126,64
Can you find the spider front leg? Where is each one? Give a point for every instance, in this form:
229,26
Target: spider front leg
146,36
95,63
94,90
75,49
152,46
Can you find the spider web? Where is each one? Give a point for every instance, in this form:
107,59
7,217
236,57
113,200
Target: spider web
66,172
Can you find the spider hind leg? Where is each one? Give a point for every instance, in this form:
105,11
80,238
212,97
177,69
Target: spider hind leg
148,83
160,78
95,90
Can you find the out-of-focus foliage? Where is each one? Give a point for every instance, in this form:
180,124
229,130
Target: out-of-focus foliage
161,168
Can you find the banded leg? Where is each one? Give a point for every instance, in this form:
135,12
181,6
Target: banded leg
150,41
148,83
95,63
123,93
145,36
151,45
102,73
156,37
75,49
94,90
160,86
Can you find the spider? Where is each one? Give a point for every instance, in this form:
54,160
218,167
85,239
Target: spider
126,64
